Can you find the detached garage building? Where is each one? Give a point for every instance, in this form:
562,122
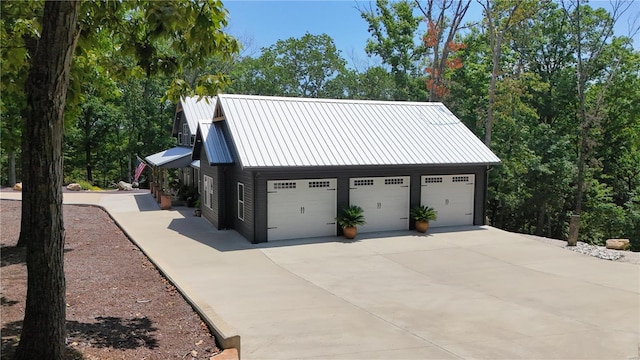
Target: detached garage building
278,168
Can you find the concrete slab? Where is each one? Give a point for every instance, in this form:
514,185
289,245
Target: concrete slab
469,292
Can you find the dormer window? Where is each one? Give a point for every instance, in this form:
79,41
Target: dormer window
186,138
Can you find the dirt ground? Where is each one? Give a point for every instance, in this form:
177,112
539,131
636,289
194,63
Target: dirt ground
118,305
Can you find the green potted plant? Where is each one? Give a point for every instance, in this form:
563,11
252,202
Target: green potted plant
349,219
422,215
197,212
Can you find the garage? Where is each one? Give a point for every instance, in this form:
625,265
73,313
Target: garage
451,196
301,208
385,201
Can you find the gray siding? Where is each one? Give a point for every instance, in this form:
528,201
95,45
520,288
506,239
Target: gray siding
343,174
215,214
233,175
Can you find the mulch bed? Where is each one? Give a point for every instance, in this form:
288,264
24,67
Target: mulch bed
118,305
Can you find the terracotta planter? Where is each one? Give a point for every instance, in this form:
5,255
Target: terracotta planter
350,232
422,226
165,201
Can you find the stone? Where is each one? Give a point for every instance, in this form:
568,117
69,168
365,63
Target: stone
17,187
74,187
125,186
618,244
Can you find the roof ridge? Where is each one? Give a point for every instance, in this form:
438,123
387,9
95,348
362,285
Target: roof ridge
330,100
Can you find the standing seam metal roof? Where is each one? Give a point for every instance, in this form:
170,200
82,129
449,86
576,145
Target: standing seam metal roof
281,132
197,110
215,144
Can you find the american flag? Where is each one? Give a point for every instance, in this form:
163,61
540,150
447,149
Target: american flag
139,169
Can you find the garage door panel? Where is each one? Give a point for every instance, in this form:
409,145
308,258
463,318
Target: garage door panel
301,208
385,201
452,196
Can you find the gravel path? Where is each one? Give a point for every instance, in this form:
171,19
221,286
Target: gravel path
600,252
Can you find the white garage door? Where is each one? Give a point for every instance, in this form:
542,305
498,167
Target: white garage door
385,201
301,208
451,196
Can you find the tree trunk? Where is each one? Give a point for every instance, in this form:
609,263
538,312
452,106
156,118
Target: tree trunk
43,329
87,158
12,168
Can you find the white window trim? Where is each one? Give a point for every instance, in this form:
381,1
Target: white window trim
241,201
208,191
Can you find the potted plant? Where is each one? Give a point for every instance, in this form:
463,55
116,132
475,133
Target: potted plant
422,215
349,219
197,212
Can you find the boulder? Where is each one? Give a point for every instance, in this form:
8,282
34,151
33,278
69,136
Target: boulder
618,244
124,186
74,187
17,187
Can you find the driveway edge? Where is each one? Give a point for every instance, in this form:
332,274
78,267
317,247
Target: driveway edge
226,336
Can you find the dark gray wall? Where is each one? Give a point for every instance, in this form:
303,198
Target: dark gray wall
214,213
232,176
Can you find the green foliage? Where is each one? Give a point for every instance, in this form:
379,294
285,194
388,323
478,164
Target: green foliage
423,213
351,216
291,67
396,40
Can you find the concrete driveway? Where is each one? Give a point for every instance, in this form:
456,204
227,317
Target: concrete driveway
475,292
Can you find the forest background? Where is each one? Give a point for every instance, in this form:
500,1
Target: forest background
546,84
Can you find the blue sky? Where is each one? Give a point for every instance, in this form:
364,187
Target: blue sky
262,23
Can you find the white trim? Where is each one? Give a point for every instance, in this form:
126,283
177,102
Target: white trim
241,201
208,192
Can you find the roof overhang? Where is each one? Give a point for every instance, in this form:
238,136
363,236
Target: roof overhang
176,157
195,164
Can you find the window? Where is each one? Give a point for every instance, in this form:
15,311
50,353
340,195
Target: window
208,191
241,201
460,179
185,140
284,185
430,180
319,184
394,181
365,182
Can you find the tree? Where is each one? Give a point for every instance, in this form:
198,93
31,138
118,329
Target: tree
442,17
19,20
394,31
590,31
190,30
291,67
46,88
500,16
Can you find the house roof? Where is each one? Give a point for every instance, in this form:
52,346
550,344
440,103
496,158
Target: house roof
176,157
211,136
300,132
196,109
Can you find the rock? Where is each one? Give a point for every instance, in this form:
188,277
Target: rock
17,187
124,186
618,244
74,187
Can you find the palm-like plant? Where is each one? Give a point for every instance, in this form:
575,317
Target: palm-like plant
424,213
351,217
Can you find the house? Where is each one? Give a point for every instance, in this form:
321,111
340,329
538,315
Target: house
276,168
189,112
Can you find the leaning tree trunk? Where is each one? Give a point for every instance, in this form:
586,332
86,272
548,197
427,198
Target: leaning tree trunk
43,330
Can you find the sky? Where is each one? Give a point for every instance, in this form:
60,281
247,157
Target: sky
260,24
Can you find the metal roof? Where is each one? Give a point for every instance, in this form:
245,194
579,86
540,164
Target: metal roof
176,157
195,164
280,131
215,144
197,110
